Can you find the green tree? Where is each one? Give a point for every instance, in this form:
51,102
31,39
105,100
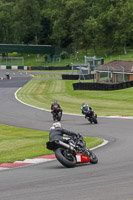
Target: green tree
75,23
91,34
6,22
77,12
55,11
115,22
27,21
124,32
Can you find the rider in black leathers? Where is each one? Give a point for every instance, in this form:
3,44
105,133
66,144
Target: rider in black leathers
57,132
53,106
86,110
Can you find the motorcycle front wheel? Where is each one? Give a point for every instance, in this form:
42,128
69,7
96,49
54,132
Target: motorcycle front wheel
65,157
59,116
94,118
93,158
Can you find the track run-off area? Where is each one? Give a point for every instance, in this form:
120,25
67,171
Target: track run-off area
110,179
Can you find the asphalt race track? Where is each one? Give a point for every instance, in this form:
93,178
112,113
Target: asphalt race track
110,179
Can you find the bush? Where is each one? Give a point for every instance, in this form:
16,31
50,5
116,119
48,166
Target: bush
64,55
46,57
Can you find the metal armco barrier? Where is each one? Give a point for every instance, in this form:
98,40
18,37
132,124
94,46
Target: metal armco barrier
102,86
35,67
14,67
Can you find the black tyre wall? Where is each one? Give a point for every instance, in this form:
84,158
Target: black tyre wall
63,160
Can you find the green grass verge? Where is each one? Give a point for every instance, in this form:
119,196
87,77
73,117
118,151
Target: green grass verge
42,93
20,143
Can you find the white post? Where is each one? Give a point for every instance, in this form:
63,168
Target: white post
89,68
85,60
72,68
108,73
123,73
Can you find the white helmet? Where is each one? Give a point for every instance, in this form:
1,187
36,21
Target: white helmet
56,125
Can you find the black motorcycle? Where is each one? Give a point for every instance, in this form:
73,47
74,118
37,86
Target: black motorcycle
57,113
72,151
91,117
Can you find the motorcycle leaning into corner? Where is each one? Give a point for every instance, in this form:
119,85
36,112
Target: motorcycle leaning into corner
89,113
71,151
91,117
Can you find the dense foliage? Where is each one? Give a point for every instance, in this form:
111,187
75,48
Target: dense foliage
75,23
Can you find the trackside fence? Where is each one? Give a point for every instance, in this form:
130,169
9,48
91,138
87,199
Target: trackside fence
77,77
102,86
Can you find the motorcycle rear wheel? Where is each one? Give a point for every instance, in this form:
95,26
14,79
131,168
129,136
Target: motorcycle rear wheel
65,157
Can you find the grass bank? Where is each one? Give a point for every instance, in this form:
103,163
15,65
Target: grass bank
42,92
20,143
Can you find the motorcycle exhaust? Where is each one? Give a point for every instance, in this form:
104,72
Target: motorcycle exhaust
67,146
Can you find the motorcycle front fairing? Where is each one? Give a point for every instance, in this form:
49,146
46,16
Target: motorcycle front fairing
80,158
